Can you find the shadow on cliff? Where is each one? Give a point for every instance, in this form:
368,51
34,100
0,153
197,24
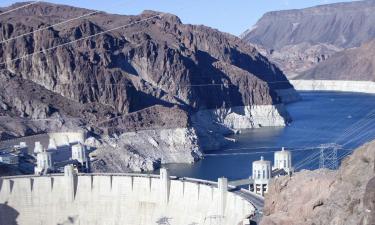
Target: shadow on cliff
8,215
269,74
214,96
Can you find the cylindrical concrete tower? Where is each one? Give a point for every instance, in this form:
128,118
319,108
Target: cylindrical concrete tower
261,176
38,147
44,162
261,169
52,144
222,185
70,175
164,185
283,160
79,153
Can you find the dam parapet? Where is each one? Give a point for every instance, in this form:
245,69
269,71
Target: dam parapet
121,199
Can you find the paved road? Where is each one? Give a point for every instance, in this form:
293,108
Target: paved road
257,201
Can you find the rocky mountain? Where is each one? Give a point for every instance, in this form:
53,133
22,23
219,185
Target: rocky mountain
344,196
137,73
297,40
357,64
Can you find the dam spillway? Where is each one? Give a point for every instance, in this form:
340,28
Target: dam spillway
114,199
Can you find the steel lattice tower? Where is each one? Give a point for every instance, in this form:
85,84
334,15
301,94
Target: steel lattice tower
328,156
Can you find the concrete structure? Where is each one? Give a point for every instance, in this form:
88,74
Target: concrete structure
165,184
262,172
21,149
52,144
44,162
38,148
67,138
79,154
111,199
8,158
283,161
261,176
222,185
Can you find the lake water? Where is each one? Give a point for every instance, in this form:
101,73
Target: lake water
321,117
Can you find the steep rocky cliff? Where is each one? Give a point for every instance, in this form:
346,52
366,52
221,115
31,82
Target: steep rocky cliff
297,40
152,73
157,61
326,197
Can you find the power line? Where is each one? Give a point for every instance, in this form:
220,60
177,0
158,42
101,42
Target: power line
80,39
51,26
54,25
20,7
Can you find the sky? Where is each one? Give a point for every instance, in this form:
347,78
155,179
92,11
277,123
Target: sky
231,16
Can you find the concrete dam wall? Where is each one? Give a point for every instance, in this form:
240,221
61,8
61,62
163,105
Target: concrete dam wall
118,199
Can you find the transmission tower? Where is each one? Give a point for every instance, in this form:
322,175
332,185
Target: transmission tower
328,156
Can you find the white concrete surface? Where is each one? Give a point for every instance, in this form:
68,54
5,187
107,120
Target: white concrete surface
246,117
261,176
334,85
283,160
66,138
117,199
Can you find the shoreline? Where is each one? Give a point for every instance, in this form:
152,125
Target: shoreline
367,87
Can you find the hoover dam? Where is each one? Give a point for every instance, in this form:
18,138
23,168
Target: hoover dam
111,199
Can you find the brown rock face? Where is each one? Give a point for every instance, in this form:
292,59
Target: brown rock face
159,61
325,197
369,204
356,64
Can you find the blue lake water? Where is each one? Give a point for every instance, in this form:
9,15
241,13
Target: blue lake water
321,117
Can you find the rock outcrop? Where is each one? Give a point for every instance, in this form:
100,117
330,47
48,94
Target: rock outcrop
154,72
326,197
356,64
297,40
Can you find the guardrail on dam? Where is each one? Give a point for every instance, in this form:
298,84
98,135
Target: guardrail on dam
111,199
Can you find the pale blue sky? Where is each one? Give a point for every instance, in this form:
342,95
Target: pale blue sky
232,16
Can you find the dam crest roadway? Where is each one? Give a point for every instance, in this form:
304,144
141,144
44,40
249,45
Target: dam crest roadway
124,199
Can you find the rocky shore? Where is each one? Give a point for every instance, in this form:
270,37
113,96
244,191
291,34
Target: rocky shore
335,85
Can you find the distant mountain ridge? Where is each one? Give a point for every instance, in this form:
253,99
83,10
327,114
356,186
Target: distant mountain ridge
297,40
343,25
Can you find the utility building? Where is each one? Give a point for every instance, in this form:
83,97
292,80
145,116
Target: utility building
79,154
9,158
44,163
263,173
38,148
283,161
52,144
261,176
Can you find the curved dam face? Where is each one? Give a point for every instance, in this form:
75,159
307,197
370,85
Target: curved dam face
117,199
